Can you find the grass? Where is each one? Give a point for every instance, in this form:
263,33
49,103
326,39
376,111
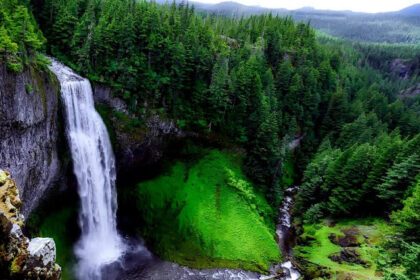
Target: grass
207,214
319,247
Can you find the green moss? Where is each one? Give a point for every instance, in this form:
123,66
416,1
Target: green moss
206,214
28,88
127,123
15,267
40,87
318,247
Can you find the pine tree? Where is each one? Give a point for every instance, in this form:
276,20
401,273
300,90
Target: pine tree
407,219
348,191
397,181
217,96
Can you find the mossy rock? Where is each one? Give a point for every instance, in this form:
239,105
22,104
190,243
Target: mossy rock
349,255
351,238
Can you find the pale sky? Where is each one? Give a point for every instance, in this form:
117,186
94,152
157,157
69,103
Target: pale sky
370,6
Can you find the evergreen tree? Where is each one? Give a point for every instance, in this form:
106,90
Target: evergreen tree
407,219
348,191
397,180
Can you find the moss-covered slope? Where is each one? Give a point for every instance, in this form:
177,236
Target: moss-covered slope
206,214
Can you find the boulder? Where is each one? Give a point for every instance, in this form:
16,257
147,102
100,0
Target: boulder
349,255
350,238
42,250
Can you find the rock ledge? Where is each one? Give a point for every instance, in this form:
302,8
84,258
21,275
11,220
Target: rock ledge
20,257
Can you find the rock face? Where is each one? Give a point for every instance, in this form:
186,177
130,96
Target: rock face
103,95
21,258
411,92
139,147
400,69
28,125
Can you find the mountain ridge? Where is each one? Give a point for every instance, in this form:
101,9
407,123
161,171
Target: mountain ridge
413,10
409,10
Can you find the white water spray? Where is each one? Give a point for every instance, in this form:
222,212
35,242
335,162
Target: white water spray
94,167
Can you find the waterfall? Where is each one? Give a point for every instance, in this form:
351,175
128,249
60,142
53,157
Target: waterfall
94,167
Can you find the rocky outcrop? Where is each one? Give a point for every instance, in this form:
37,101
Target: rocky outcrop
349,255
139,146
29,131
103,95
411,92
351,238
133,153
20,257
400,69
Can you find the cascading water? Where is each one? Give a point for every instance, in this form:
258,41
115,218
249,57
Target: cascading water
94,167
284,234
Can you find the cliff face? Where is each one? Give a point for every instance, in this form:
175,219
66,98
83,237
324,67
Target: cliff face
28,125
139,146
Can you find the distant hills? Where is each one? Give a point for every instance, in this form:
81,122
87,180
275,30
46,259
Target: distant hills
413,10
393,27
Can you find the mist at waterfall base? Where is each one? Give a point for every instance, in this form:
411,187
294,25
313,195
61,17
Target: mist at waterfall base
94,167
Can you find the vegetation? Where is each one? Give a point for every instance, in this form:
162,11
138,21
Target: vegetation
212,74
53,227
368,165
321,244
20,37
255,83
56,217
190,219
392,27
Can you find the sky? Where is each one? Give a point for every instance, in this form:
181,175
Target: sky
370,6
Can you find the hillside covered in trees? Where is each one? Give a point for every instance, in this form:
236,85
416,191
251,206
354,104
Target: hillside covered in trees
391,27
243,89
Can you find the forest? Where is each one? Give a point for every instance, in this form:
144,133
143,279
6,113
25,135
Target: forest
242,88
399,27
